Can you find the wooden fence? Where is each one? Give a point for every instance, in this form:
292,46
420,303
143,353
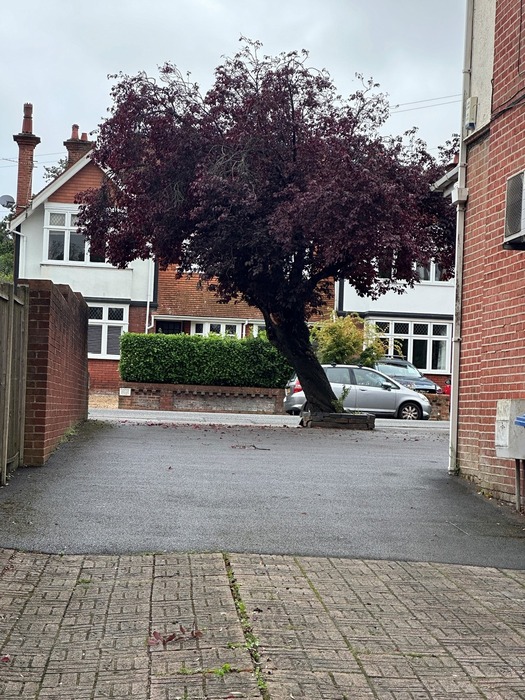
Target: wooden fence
14,313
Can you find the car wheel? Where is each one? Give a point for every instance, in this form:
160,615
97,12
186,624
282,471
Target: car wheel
410,411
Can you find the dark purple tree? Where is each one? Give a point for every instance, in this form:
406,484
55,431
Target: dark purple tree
272,186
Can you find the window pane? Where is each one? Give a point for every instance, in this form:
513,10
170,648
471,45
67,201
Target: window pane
74,219
383,326
230,329
56,219
419,354
420,328
56,246
113,346
199,328
401,347
168,327
215,328
439,329
77,246
401,328
439,354
437,273
115,314
95,312
423,272
365,377
94,257
338,375
95,339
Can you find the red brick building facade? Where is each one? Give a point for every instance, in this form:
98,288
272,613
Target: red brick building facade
490,332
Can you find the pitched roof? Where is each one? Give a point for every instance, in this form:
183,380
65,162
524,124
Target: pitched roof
50,189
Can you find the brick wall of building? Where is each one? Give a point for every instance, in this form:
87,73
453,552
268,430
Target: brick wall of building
492,365
57,376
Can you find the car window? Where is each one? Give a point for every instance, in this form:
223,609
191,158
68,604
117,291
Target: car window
338,375
366,377
398,370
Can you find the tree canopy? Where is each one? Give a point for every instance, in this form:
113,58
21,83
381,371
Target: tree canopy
271,185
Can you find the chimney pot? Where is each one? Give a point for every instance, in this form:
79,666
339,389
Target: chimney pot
74,131
27,124
84,136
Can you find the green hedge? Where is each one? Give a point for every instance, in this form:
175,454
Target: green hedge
193,359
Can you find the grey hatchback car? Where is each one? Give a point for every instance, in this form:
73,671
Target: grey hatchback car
368,391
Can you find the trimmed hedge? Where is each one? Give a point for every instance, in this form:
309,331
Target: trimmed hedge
194,359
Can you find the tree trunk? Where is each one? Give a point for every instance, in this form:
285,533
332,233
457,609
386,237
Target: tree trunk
290,334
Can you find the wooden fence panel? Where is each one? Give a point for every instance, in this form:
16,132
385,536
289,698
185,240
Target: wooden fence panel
14,313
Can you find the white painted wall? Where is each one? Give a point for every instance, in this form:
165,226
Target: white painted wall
426,298
91,280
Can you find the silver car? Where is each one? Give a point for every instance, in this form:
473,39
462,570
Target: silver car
366,390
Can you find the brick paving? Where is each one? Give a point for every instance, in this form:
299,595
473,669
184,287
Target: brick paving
75,627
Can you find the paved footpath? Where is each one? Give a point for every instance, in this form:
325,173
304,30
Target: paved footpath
273,627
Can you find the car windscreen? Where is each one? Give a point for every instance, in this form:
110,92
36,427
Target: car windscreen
398,370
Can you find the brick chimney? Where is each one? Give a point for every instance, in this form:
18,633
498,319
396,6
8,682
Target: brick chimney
27,143
77,147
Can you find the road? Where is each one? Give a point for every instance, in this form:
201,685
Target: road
150,482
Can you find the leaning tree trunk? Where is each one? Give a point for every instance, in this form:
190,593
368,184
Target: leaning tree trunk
290,334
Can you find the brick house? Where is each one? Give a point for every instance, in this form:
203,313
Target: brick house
140,298
489,333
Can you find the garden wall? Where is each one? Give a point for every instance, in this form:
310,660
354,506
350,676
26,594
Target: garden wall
189,397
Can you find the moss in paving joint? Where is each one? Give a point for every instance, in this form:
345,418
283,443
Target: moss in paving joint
250,640
221,671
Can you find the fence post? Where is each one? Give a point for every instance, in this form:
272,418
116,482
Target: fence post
6,354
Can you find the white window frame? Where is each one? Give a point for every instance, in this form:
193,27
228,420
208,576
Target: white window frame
410,337
220,322
68,210
105,323
432,268
514,208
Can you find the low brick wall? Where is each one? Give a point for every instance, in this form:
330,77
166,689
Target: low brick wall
189,397
440,406
224,399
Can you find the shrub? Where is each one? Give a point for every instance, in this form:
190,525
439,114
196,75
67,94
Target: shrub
347,340
193,359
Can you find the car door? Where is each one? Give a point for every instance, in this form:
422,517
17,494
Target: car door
341,378
374,392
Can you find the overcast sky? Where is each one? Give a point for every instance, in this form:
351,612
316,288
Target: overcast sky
58,55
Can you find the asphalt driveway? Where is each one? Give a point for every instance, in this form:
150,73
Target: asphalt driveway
122,486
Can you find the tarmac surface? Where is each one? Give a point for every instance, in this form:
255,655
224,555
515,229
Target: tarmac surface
388,613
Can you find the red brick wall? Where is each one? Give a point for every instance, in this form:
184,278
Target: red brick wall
103,374
492,365
57,377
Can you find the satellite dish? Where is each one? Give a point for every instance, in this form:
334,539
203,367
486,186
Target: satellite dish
7,201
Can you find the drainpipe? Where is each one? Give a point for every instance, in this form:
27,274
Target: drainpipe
148,325
460,197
